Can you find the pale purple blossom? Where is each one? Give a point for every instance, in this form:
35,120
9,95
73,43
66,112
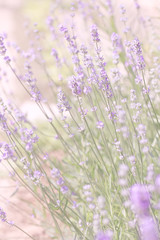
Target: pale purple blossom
140,199
100,124
102,236
148,228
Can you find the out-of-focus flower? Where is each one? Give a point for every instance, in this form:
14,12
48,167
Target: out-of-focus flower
140,199
102,236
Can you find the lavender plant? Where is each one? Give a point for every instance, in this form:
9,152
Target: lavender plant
101,111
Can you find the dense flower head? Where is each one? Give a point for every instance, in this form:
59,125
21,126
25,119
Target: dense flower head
7,152
95,34
140,199
63,105
75,85
136,46
140,62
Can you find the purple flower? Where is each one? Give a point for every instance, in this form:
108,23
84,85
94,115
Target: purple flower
138,79
136,47
63,29
64,189
76,86
140,199
87,90
75,205
102,236
55,172
83,112
122,8
148,229
115,39
94,33
29,147
36,95
136,4
3,216
100,125
55,54
140,62
137,50
110,7
60,181
8,152
37,174
7,59
49,20
2,46
63,104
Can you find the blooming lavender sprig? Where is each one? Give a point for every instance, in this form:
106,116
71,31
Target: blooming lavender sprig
7,152
76,86
116,43
3,122
29,138
2,46
95,34
137,50
3,49
103,82
55,54
63,105
3,215
59,180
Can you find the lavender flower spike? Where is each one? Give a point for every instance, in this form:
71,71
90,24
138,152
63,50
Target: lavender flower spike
94,33
3,216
